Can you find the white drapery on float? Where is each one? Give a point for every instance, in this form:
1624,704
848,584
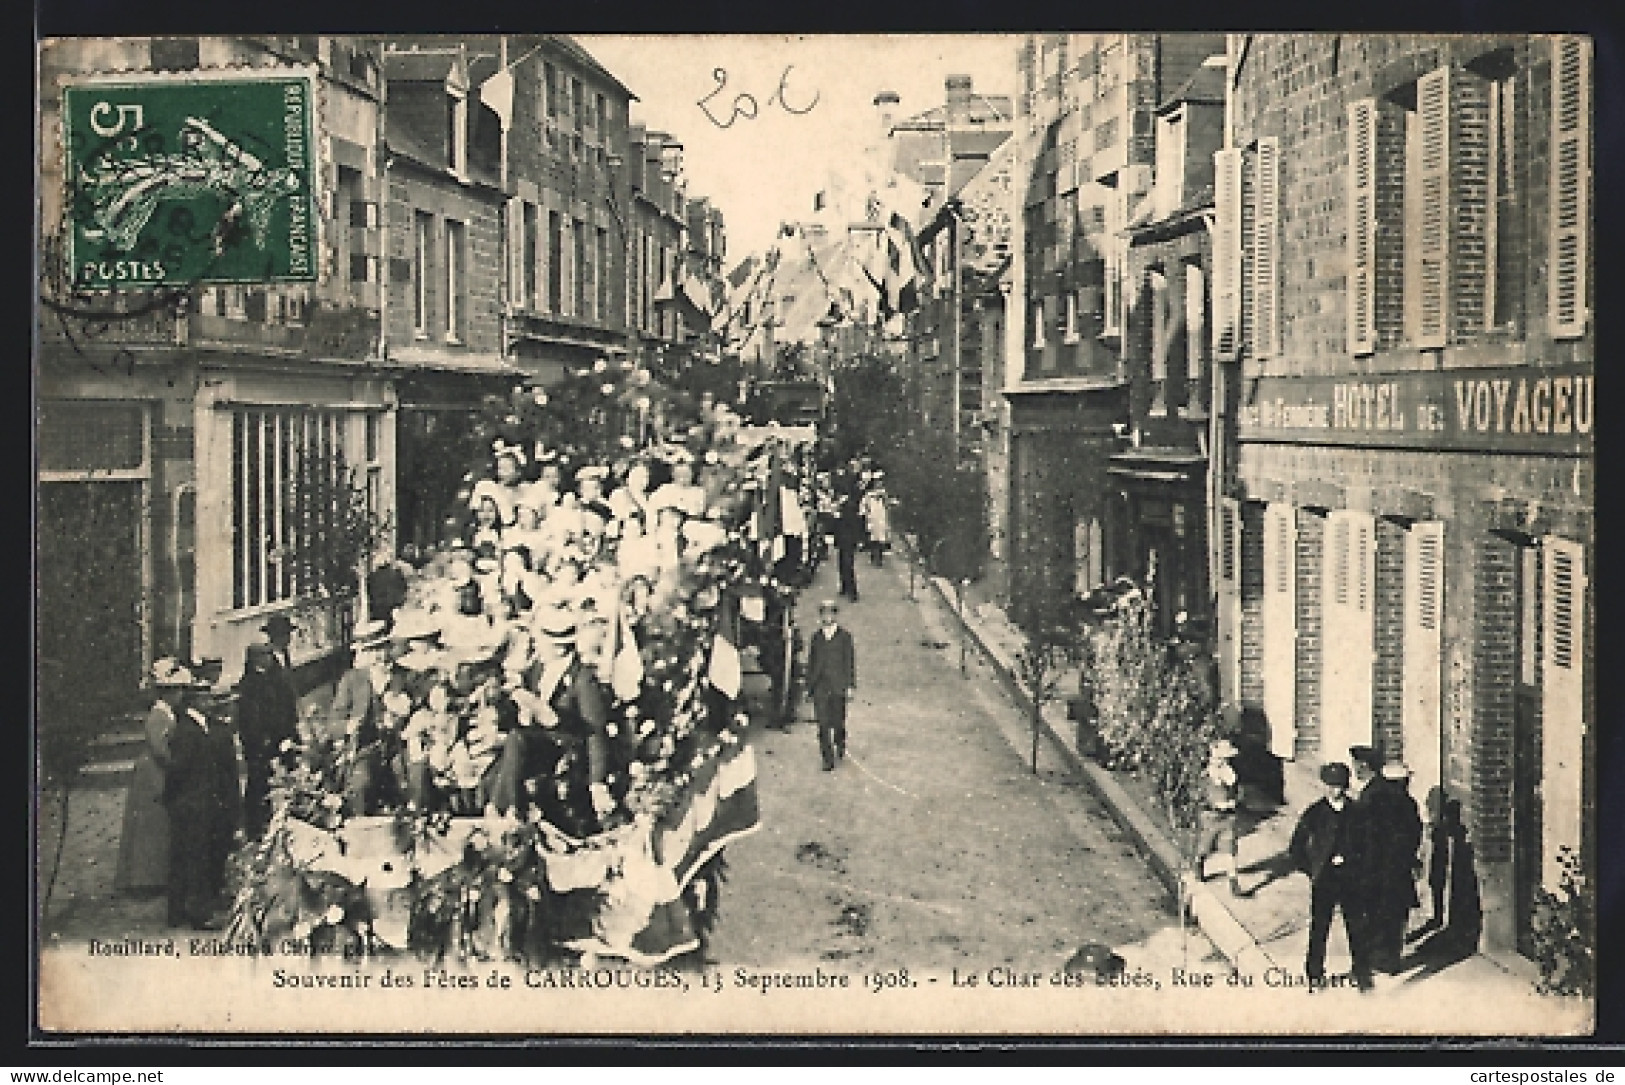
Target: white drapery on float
638,871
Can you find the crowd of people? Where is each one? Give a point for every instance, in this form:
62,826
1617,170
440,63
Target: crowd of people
548,662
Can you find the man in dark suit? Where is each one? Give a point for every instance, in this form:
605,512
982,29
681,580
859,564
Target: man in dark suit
1327,845
267,716
831,676
849,536
1396,835
200,793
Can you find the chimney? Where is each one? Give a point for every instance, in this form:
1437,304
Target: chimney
957,93
886,103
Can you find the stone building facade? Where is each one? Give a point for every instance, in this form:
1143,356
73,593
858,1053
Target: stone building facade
1403,294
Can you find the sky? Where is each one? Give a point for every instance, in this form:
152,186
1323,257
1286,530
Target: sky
764,171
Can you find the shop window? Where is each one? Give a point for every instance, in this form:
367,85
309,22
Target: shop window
283,463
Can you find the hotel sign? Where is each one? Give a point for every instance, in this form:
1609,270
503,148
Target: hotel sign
1545,410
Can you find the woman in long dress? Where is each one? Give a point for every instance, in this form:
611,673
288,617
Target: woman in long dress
143,854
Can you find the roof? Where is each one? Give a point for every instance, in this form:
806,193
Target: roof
576,51
1206,84
984,108
431,66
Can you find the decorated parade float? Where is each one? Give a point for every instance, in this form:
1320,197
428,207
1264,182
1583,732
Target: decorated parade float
550,752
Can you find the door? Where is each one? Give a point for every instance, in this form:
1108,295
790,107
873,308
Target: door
1420,717
1348,653
1280,618
88,617
1526,765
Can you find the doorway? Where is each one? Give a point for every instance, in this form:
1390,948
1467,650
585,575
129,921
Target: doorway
88,601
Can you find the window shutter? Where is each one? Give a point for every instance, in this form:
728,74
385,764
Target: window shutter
1422,666
1266,252
1433,200
1229,598
1562,700
516,254
1279,612
1571,176
1362,226
1226,251
1339,548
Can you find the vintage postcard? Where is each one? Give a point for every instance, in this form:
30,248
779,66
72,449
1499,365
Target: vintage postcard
983,535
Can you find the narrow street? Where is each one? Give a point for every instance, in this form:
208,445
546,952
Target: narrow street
932,845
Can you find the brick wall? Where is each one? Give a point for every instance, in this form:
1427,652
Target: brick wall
1306,705
1494,666
1252,604
1297,87
1387,686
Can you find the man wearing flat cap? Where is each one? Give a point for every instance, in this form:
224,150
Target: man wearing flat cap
1326,845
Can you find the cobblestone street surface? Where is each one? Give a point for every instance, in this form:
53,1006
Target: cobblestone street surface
932,845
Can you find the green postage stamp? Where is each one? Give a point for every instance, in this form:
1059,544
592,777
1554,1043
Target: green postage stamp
174,181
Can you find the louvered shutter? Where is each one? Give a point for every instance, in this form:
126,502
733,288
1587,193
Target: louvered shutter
1280,626
1432,194
1227,251
1266,251
1229,599
1347,638
1562,710
516,254
1362,226
1571,178
1420,712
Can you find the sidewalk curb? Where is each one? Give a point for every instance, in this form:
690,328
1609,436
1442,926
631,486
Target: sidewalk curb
1214,919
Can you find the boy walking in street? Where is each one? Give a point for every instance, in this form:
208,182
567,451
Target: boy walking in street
831,677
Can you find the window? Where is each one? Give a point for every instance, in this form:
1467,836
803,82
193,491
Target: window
372,462
555,263
456,281
1161,333
530,255
355,222
1195,335
422,271
1503,283
1038,325
603,272
601,120
582,279
550,84
578,105
287,470
457,131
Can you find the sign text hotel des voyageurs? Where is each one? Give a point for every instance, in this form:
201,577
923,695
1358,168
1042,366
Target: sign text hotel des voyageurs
190,178
1540,410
